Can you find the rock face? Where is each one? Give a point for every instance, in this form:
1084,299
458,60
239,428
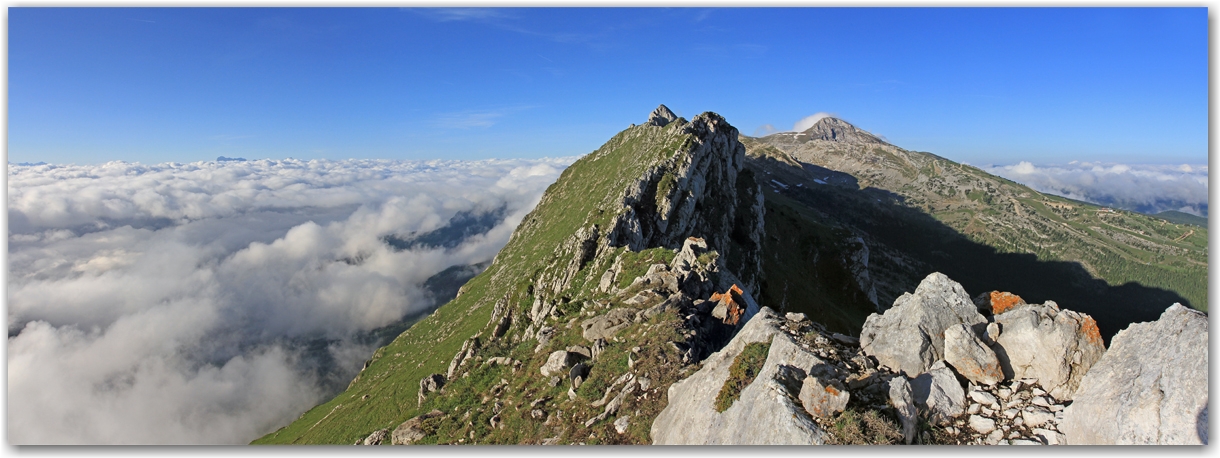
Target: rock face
767,411
661,116
835,129
938,394
1056,347
972,358
430,384
903,400
661,208
1149,388
559,362
412,430
604,326
909,337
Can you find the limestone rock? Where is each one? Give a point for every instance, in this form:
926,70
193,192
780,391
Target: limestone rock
464,354
661,117
982,425
605,326
621,424
376,438
706,192
938,394
1037,417
909,336
430,384
970,356
823,398
765,412
1055,347
412,430
558,362
1149,388
903,400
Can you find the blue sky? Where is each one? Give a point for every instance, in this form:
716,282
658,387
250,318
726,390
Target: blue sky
976,85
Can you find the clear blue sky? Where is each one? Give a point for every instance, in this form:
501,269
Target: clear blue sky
975,85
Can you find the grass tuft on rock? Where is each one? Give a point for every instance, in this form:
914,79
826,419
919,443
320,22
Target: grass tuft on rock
870,427
745,367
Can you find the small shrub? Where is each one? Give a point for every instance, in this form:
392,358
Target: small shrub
745,367
868,428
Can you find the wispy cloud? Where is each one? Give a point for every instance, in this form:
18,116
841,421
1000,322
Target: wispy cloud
468,120
1145,188
765,129
474,119
809,121
462,14
170,303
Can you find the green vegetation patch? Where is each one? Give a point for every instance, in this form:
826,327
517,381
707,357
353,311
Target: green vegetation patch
745,367
636,264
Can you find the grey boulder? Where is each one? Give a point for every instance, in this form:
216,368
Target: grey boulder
1056,347
909,337
1149,388
766,413
938,394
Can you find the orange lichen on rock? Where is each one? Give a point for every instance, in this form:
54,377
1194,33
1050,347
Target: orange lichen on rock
832,391
1003,301
732,302
1090,331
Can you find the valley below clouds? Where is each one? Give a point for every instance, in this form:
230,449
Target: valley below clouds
1145,188
212,302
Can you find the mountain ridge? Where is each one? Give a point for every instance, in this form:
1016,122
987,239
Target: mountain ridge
640,264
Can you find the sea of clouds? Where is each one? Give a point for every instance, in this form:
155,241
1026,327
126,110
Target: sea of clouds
168,304
1145,188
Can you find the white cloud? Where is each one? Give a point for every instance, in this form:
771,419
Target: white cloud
808,121
153,304
1139,187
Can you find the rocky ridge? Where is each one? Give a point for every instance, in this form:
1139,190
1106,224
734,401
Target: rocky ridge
626,304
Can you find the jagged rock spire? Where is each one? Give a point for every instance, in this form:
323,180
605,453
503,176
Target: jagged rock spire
661,116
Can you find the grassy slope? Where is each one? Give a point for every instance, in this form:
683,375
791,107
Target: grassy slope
586,193
1119,247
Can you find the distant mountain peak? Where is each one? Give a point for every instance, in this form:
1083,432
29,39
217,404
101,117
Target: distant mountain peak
838,130
661,116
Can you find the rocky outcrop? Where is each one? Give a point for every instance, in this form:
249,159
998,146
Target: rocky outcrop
661,117
767,411
429,384
1056,347
412,430
559,362
700,192
1149,388
605,326
909,337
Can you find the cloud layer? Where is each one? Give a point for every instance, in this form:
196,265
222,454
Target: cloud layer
1144,188
169,304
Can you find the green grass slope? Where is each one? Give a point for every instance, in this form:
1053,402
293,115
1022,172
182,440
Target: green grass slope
384,394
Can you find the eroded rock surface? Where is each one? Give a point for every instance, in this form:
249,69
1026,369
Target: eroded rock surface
1149,388
767,411
909,337
1056,347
